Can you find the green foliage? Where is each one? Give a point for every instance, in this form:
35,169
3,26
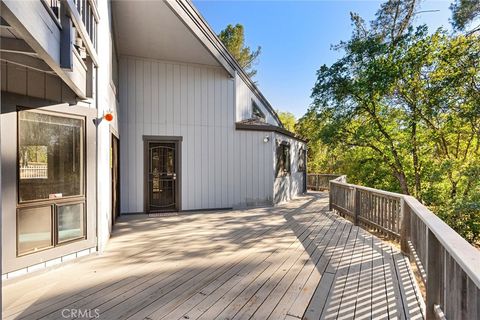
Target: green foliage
288,120
464,12
233,38
402,113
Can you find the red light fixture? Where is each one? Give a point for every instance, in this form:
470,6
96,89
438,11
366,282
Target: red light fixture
108,116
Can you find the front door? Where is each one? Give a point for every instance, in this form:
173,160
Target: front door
161,176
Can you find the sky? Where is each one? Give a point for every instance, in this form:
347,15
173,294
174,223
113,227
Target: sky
296,38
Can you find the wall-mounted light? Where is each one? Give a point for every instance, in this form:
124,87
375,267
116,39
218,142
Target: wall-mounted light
266,139
107,116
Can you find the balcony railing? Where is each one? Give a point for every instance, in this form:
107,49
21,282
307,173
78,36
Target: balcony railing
448,264
87,11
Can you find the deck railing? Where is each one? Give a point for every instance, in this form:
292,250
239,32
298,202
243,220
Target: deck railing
448,264
319,181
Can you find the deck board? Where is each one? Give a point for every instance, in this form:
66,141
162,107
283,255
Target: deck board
292,261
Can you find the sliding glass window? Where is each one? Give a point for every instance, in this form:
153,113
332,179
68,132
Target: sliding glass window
51,174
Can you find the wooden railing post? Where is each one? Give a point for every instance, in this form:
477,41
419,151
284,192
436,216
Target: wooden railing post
405,227
356,205
434,275
330,197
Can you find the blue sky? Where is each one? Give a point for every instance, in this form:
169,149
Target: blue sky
296,37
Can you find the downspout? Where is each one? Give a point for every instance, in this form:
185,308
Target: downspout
96,157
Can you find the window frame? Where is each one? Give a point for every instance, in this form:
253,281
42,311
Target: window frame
17,233
287,171
83,158
53,203
57,241
302,155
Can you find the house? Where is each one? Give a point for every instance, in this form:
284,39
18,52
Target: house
124,107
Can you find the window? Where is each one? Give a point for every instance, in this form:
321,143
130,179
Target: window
257,113
302,159
51,171
70,222
34,229
50,156
283,159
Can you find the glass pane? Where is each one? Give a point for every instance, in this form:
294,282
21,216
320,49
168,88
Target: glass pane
34,162
70,222
256,112
34,229
50,156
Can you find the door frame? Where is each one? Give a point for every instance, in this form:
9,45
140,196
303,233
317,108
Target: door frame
114,139
177,140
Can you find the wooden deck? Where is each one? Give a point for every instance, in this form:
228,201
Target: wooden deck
289,262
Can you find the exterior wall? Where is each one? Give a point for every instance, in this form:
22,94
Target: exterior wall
244,97
107,102
197,103
291,186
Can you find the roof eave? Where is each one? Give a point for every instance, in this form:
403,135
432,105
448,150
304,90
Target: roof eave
268,128
192,18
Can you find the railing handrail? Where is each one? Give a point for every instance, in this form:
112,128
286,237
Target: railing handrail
323,174
382,192
449,265
467,256
321,181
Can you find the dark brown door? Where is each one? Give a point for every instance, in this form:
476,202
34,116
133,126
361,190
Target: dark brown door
161,176
115,179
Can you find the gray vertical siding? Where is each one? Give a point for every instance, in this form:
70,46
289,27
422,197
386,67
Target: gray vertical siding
244,103
28,82
221,167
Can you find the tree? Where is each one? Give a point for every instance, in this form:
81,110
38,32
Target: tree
402,113
464,12
288,120
234,40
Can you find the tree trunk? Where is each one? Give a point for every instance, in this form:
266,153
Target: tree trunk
416,165
402,179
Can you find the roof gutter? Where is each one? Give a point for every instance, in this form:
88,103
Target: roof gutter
268,128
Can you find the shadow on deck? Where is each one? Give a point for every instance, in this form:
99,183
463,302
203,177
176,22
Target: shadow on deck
288,262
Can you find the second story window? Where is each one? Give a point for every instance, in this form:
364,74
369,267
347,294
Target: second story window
257,112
